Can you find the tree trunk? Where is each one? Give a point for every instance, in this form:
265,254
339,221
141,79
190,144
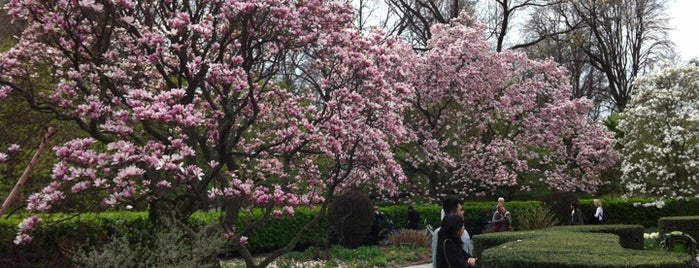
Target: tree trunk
25,175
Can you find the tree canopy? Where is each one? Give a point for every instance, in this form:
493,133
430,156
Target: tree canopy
661,135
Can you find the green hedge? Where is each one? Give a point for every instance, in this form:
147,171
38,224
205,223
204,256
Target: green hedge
574,249
631,236
632,211
62,231
472,212
573,246
686,224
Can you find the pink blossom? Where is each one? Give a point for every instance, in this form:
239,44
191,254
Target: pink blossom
22,239
25,228
289,211
14,149
4,91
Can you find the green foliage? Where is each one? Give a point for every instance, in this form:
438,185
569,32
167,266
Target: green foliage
638,210
630,236
574,249
352,216
489,240
560,202
278,232
375,256
536,217
472,212
95,229
685,224
168,246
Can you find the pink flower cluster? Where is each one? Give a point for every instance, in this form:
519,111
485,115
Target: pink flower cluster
489,119
25,228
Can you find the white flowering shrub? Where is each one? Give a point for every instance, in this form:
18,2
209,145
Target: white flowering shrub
661,130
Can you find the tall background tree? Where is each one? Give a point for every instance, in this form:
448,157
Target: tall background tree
609,44
661,135
198,104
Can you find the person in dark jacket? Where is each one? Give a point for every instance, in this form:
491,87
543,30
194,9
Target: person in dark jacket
450,253
575,214
413,218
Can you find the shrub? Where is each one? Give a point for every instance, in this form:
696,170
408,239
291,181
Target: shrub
631,236
535,217
643,211
564,249
412,238
686,224
559,202
167,246
351,215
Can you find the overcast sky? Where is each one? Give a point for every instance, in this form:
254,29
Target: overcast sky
684,19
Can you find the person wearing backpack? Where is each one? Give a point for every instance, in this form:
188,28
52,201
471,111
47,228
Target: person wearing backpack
600,217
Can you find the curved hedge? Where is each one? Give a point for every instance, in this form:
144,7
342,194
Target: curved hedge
686,224
592,246
576,249
631,236
639,210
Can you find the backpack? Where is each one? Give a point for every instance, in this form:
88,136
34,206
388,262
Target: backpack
605,216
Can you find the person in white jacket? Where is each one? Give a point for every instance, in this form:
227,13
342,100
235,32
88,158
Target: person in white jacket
599,212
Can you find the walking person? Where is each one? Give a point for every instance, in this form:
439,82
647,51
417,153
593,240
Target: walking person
452,206
450,253
599,212
576,217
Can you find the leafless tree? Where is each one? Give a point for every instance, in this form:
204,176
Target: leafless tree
413,18
609,44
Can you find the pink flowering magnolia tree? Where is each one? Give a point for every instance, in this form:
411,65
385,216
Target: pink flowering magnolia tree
241,104
485,120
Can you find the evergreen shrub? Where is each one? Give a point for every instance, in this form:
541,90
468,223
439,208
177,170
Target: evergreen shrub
685,224
351,215
564,249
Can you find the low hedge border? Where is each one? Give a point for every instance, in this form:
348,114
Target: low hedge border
686,224
62,231
630,236
564,249
573,246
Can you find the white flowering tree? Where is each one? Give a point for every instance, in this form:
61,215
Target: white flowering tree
661,130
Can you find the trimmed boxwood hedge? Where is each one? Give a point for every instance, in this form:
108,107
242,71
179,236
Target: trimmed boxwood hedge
472,212
93,229
686,224
562,249
631,236
633,211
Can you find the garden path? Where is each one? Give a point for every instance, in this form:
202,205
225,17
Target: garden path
424,265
